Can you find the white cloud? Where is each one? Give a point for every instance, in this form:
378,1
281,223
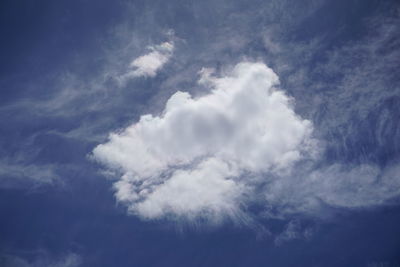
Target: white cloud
205,156
148,65
213,156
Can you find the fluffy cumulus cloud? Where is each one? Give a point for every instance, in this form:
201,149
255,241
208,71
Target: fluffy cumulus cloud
149,64
239,146
208,156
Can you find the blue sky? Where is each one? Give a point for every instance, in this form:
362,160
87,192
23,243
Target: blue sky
199,133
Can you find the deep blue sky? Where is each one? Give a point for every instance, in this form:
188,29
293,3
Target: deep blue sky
339,60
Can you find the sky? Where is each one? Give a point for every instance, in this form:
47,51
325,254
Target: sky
200,133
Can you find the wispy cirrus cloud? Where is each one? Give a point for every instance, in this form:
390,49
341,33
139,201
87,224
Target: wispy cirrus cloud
42,259
11,173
